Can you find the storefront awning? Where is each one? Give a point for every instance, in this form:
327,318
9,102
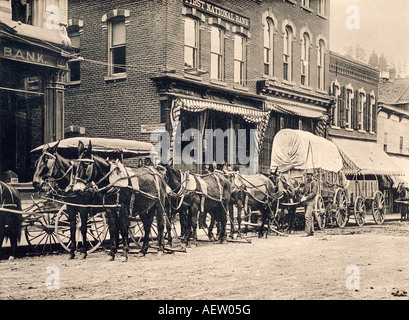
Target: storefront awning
364,157
297,111
251,115
403,163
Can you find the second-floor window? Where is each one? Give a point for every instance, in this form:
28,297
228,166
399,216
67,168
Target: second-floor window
361,113
191,43
305,60
305,3
322,7
348,108
321,65
117,46
268,47
239,60
287,58
336,92
217,49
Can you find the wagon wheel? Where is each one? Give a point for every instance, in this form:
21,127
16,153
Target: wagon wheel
378,208
320,212
360,211
97,229
136,231
40,232
341,208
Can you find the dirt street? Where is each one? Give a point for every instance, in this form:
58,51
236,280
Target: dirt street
354,263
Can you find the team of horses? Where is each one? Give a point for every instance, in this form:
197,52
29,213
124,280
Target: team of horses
158,192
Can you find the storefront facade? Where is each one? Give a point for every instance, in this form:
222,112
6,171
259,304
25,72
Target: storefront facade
32,69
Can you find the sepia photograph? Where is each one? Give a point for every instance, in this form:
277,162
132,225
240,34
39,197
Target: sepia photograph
203,158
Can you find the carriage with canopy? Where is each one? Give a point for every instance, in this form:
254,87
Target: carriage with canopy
46,221
295,152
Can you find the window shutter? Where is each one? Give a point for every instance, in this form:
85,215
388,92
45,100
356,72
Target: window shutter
342,105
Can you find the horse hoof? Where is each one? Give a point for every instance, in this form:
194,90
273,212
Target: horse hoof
124,258
72,256
11,258
110,257
83,256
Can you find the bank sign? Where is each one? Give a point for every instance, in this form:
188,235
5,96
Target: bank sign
217,11
32,55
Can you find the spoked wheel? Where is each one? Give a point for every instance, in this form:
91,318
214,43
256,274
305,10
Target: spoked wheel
97,229
136,231
360,211
40,233
341,208
320,212
378,208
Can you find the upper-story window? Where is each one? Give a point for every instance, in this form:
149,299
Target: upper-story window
240,59
21,11
50,14
322,7
305,60
305,3
321,64
361,113
191,43
117,45
336,92
288,49
268,47
348,106
372,112
217,53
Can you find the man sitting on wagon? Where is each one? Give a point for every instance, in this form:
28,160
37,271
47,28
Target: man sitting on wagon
310,191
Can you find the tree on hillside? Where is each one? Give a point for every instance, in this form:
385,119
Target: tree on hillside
360,54
373,60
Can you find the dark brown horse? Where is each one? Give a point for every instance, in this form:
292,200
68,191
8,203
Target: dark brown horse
55,172
10,223
258,193
403,194
145,184
201,194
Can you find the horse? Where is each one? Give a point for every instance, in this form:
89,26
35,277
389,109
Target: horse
144,184
52,168
259,193
10,223
201,194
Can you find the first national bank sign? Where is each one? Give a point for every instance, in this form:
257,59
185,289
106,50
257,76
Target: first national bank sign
218,11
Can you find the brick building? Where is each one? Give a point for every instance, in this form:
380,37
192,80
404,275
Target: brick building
355,126
33,61
202,64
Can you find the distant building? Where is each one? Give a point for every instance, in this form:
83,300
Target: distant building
33,62
355,125
393,121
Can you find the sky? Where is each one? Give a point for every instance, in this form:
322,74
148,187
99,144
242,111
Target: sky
383,27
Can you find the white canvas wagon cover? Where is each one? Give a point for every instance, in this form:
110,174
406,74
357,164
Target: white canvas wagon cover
302,150
104,146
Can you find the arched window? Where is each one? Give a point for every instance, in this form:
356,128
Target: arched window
321,64
305,59
287,58
217,50
240,58
268,47
191,43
